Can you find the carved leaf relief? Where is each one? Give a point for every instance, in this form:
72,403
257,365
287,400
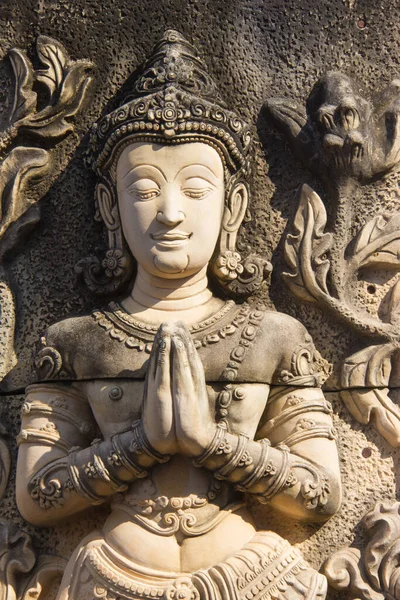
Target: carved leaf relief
22,575
371,368
378,243
306,248
66,81
54,56
25,98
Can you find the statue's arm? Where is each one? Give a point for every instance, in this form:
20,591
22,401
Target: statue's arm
293,463
60,470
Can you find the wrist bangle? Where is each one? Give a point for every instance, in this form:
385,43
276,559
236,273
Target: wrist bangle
104,473
233,462
213,446
119,457
259,470
141,445
79,476
282,478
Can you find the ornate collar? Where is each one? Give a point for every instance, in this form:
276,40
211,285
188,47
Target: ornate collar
137,334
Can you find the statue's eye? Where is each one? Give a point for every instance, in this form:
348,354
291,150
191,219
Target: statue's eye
197,188
144,189
197,194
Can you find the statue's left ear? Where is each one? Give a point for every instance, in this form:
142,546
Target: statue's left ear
107,206
233,216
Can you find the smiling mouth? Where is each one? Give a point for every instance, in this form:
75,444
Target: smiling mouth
171,238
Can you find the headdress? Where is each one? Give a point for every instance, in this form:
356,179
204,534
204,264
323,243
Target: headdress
173,100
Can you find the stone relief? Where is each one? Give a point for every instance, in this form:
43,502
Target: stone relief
25,171
370,573
25,175
170,404
348,140
23,575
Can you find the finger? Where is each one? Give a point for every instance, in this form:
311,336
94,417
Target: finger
162,377
157,356
182,384
183,333
195,364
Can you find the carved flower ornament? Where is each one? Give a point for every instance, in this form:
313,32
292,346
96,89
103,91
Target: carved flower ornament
182,589
229,265
114,263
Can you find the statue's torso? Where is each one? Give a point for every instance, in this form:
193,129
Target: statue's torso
185,511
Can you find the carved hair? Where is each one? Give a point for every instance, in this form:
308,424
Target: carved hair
173,101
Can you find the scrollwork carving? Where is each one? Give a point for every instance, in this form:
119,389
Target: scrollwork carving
25,172
310,271
370,573
22,574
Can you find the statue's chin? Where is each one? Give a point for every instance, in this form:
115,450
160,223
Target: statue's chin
171,265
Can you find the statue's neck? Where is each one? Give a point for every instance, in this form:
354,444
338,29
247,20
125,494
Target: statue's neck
155,299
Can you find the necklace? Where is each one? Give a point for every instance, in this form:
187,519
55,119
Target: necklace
138,335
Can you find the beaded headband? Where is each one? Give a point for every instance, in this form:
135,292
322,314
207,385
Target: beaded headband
173,101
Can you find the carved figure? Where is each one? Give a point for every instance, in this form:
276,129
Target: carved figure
172,403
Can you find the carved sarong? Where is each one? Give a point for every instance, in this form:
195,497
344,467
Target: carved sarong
266,568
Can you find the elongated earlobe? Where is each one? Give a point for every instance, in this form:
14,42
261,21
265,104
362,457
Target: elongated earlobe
107,207
236,275
236,209
233,217
110,272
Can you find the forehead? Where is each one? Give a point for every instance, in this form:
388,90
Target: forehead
170,157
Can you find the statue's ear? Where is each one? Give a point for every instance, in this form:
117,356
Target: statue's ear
236,208
234,212
107,205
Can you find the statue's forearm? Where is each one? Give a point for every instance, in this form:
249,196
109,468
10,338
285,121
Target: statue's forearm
89,476
269,472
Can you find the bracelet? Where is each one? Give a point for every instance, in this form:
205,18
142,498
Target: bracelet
105,474
118,457
259,470
239,455
283,478
141,445
78,479
213,446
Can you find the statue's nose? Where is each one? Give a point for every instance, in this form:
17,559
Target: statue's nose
170,210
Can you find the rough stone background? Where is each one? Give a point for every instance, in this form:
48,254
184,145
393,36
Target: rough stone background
254,49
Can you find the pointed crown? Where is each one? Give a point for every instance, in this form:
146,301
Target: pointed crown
174,100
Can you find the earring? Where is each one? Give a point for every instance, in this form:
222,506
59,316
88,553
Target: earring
228,265
114,263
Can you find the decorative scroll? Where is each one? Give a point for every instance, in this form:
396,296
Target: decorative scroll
370,573
22,576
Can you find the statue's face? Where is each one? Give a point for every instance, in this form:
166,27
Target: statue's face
171,202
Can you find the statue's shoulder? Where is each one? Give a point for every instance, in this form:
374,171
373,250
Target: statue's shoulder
278,349
61,344
92,346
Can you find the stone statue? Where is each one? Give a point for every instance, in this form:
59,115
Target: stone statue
172,403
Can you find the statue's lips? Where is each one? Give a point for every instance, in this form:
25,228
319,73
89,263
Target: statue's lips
171,238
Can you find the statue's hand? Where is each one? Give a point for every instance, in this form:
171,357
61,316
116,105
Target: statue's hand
194,424
157,412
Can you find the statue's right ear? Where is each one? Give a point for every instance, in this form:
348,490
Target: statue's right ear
107,205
